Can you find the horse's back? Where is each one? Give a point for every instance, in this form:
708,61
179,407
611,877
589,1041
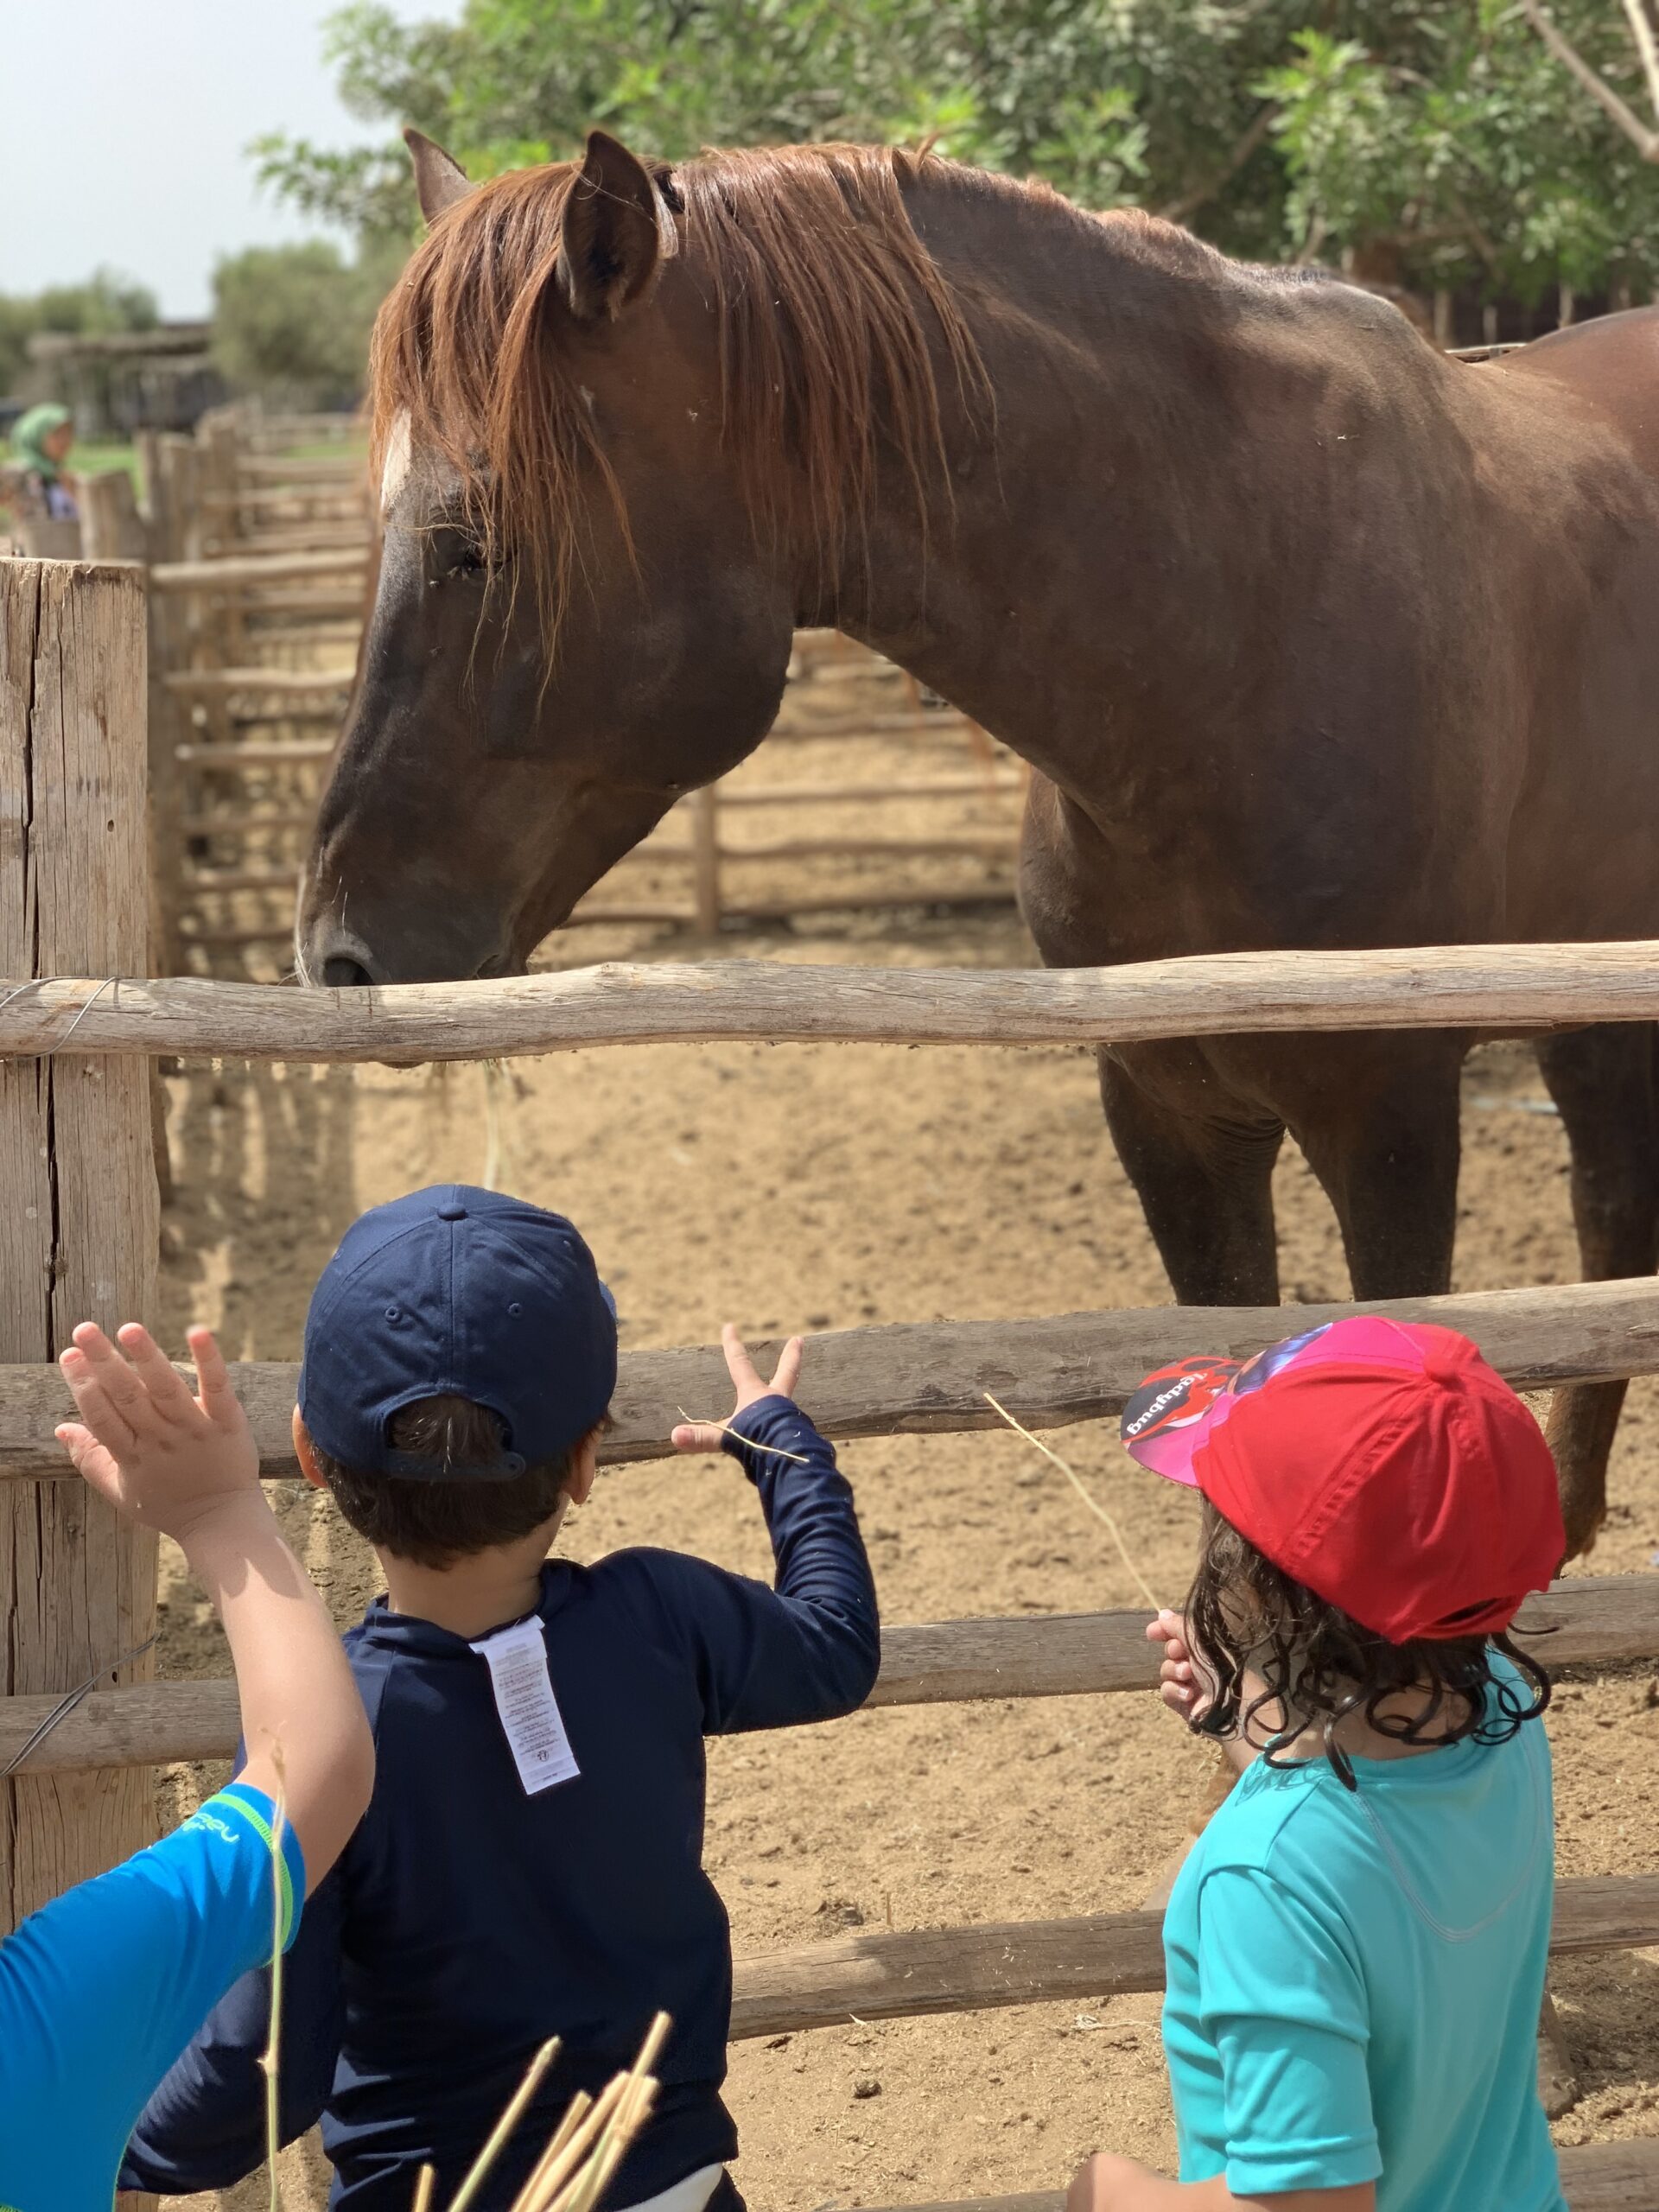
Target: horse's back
1612,362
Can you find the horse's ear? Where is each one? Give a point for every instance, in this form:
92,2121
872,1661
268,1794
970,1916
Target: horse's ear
617,231
440,180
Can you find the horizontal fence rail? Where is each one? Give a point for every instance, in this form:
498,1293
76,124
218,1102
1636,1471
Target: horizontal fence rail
1587,1621
1508,988
905,1976
233,572
930,1377
1596,2176
267,682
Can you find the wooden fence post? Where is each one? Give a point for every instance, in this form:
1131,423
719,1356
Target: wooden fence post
174,632
705,858
219,447
78,1223
167,725
153,494
180,473
112,528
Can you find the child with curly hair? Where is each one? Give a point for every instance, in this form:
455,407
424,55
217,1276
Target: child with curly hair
1356,1948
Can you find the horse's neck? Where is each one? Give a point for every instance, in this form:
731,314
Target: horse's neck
1117,540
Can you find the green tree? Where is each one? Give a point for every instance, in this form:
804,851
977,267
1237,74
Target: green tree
105,303
1439,142
294,320
1450,140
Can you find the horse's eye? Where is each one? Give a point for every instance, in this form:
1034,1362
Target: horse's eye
457,552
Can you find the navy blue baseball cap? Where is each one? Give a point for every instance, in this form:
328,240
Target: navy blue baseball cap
462,1292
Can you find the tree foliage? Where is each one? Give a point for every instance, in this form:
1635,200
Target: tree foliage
1437,141
293,320
104,304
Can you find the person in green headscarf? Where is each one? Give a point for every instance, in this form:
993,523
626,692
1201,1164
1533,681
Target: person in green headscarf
40,440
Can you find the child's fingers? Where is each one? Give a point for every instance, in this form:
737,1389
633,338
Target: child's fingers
214,1387
123,1388
92,1462
739,1365
169,1395
1169,1630
88,1384
789,1369
696,1436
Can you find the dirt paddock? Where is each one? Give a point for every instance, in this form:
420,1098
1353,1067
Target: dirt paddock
830,1187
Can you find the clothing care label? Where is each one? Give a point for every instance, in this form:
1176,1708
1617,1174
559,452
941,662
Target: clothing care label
527,1709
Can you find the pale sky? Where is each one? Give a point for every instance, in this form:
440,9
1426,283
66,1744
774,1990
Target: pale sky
123,130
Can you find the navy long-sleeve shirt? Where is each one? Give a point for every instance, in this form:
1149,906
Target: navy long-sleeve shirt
468,1921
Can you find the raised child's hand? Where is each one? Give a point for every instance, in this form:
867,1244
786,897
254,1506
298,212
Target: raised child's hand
707,1435
143,1441
1184,1686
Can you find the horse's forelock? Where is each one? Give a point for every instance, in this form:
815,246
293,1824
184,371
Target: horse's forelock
831,314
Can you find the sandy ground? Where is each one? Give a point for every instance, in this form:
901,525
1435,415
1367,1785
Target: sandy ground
831,1187
827,1187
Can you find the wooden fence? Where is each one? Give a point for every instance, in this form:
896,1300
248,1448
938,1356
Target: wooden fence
79,1220
1510,989
67,1041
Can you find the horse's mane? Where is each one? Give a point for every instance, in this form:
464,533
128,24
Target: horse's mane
833,323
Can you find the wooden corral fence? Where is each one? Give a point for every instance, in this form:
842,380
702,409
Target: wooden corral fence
74,1053
79,1217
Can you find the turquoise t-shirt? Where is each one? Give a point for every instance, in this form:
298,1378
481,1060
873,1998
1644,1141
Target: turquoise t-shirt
1354,1981
103,1989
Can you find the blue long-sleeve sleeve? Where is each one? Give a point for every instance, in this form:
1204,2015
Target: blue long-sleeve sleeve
100,1988
205,2126
809,1648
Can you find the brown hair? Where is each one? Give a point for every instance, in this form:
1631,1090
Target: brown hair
825,301
1319,1666
433,1522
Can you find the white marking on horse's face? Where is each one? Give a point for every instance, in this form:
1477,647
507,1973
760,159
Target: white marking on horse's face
399,460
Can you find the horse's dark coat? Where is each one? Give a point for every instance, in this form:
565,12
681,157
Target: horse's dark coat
1314,637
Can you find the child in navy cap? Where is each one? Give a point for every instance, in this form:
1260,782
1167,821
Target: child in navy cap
530,1863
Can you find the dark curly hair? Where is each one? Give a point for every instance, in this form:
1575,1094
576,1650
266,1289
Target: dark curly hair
1319,1666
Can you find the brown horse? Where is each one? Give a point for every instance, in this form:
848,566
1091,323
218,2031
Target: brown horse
1314,637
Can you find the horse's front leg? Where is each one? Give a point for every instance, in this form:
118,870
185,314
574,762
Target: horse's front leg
1602,1080
1376,1117
1201,1162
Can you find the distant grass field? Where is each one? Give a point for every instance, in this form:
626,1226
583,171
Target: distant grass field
93,459
327,448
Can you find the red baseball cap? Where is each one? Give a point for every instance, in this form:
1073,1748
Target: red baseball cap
1382,1464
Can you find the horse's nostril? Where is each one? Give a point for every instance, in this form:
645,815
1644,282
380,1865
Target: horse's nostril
341,973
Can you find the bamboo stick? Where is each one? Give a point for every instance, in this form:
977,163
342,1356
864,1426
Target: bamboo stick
579,2108
515,2108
